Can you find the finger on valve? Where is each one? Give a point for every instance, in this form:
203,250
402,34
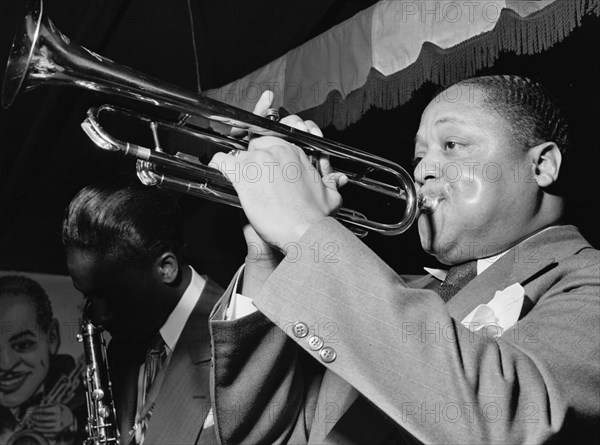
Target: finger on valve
335,180
313,128
320,162
295,121
298,123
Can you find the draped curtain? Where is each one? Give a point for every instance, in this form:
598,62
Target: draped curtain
379,57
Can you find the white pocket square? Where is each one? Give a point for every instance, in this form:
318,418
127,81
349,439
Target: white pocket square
502,311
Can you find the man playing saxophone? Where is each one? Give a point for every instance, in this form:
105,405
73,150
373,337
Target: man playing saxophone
124,248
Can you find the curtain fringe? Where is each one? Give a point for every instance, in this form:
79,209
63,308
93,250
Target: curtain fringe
533,34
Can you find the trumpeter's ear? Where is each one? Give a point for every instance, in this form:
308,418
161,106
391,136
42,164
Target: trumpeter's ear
546,159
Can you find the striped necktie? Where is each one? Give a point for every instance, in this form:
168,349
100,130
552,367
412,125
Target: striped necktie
155,359
456,279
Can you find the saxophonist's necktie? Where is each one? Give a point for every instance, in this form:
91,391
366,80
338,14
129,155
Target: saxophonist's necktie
155,359
456,279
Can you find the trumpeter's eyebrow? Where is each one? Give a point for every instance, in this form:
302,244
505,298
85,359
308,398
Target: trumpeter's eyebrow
441,121
448,120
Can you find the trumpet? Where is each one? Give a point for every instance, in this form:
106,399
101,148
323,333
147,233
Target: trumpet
41,55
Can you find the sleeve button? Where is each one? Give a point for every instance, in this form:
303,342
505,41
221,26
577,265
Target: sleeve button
315,342
328,354
300,329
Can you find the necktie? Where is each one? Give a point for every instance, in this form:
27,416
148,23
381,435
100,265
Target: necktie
456,279
155,359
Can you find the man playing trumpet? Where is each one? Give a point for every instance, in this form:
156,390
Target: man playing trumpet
503,347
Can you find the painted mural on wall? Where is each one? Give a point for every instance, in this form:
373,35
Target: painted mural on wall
42,398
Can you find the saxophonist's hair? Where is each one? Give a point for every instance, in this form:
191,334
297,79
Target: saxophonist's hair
127,222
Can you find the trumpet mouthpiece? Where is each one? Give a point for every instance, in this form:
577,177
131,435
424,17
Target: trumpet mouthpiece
428,203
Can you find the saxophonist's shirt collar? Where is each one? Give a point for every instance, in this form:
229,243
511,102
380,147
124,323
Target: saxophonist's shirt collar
171,330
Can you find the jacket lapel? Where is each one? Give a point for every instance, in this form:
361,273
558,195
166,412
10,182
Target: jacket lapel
184,398
525,264
124,368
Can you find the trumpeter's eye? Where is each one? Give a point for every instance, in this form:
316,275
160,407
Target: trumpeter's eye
451,145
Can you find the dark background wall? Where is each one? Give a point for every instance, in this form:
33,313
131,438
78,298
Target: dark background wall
45,158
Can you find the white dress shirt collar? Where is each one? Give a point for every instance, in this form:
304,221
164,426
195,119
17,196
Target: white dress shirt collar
482,263
171,330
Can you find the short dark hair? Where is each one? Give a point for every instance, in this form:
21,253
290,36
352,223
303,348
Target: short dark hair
532,112
22,285
125,222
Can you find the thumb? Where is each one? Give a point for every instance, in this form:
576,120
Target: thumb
264,103
260,109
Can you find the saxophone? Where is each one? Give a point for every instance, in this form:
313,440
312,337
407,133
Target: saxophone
101,425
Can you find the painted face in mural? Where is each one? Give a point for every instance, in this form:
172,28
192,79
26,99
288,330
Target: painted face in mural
25,350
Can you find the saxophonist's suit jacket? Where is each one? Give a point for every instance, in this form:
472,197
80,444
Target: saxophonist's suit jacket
183,402
406,370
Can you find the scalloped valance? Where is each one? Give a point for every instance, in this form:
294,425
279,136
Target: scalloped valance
379,57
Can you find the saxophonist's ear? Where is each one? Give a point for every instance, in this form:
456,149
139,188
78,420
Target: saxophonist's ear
168,267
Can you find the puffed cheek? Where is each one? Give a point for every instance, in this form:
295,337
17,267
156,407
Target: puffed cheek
469,190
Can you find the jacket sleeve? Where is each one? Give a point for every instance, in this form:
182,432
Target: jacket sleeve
536,381
264,386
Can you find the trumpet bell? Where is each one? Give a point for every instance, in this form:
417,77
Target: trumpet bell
41,55
21,53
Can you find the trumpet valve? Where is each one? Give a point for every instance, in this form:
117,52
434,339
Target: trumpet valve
272,114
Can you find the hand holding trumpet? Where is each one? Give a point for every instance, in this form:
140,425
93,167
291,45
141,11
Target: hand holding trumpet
280,190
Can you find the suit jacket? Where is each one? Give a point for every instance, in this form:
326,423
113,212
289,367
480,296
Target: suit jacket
401,368
184,398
